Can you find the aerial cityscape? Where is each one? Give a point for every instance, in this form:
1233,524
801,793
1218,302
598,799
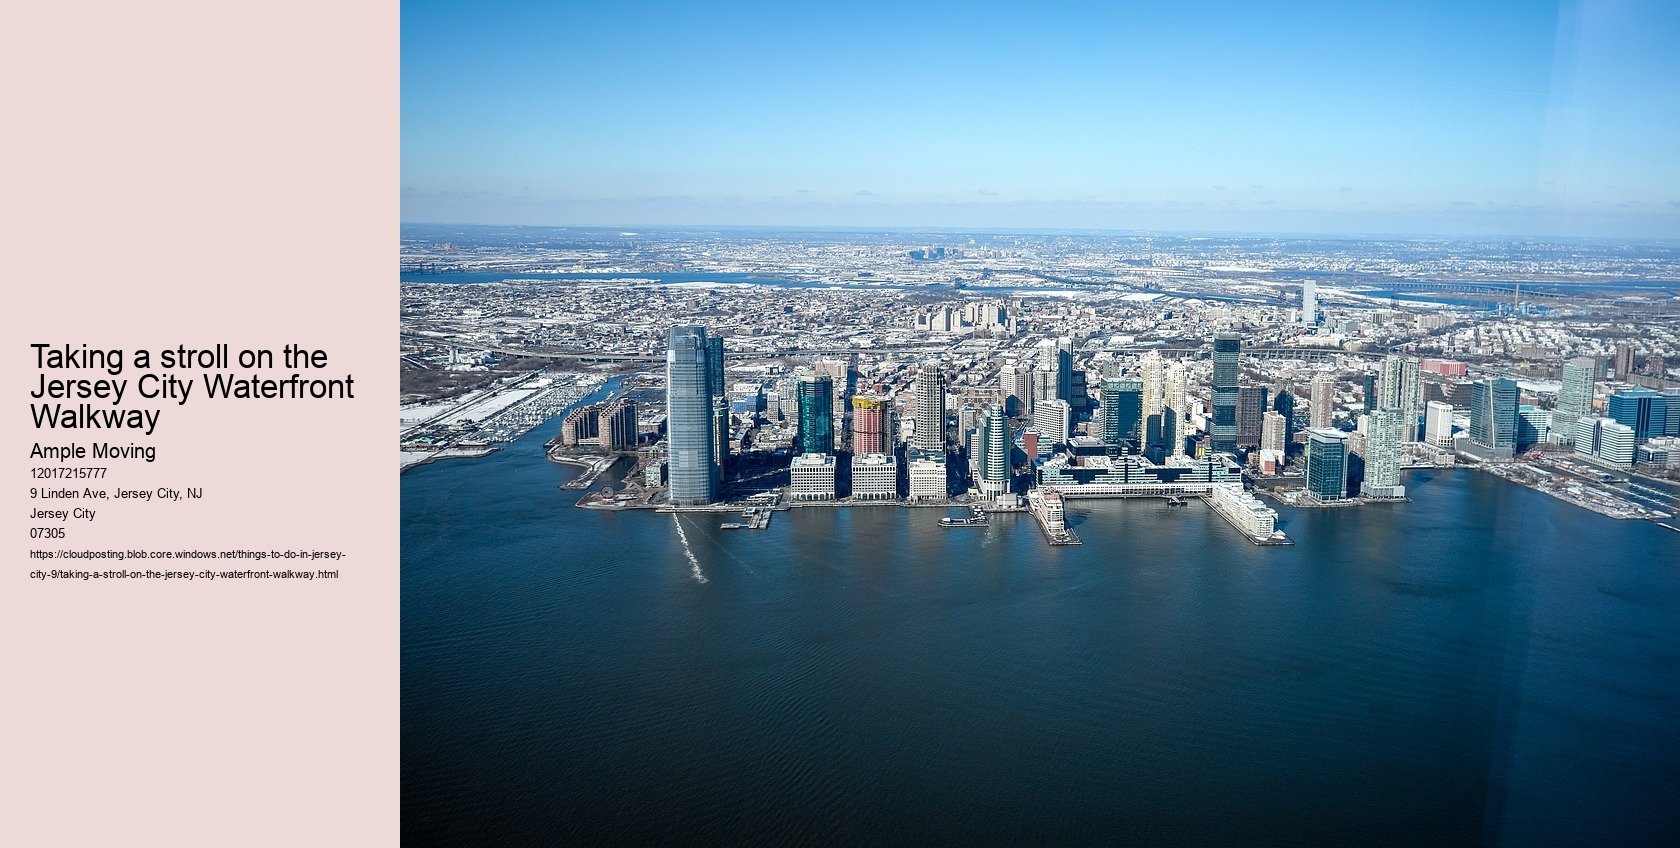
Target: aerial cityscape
771,370
1040,424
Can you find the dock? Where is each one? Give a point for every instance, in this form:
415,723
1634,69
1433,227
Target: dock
752,518
1046,506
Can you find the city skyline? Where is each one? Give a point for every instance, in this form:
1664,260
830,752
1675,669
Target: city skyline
1513,119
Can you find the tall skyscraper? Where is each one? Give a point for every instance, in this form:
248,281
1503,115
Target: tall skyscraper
1382,455
1644,410
1437,424
1400,386
1227,349
1063,363
690,423
993,446
1493,413
1274,429
1043,384
1175,407
871,431
1309,304
930,409
1284,405
720,409
816,414
1122,413
1251,409
1015,389
1369,393
1323,400
1575,395
1326,464
1053,420
1624,361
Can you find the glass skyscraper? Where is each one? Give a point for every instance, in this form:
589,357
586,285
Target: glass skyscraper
690,422
1326,464
1493,412
816,414
993,446
1122,412
1227,348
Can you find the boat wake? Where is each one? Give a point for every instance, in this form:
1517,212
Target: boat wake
688,552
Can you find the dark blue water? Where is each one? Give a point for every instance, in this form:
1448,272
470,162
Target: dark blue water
1484,665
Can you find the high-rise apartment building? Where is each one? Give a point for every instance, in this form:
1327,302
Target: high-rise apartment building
871,429
1284,405
993,446
1274,430
1175,407
1368,386
1015,389
1053,420
1222,432
1251,411
1309,304
1575,395
1624,361
1382,455
930,409
690,424
1323,400
1400,386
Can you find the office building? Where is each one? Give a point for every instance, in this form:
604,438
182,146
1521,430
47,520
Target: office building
1532,425
1309,304
927,474
1438,424
1222,433
930,410
811,477
1122,413
1326,464
1493,413
1644,410
689,419
874,477
871,425
1606,441
815,432
1368,391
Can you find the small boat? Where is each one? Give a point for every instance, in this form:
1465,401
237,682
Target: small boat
977,521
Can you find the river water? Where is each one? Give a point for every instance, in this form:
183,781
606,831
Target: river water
1483,665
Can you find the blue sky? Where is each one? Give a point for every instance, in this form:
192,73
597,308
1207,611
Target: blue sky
1430,118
